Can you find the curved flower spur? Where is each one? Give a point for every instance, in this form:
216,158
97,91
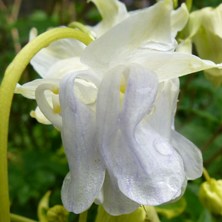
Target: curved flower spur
118,98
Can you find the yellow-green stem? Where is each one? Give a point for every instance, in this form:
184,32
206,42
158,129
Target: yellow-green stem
17,218
11,78
189,4
83,216
206,175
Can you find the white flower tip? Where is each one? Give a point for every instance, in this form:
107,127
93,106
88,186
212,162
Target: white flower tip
33,33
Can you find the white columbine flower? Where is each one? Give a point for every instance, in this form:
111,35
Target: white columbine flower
115,108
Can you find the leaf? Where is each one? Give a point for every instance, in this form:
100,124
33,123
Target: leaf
205,216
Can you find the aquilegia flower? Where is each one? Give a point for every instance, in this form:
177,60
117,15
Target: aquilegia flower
114,102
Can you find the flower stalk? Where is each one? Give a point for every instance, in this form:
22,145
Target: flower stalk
11,78
83,216
206,175
17,218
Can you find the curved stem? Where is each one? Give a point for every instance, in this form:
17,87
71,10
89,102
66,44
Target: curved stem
11,78
17,218
83,217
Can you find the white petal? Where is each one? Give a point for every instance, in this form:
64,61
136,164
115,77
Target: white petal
45,96
85,91
82,185
179,19
39,116
112,13
170,65
147,168
28,89
61,49
190,154
33,34
151,25
65,66
114,201
211,19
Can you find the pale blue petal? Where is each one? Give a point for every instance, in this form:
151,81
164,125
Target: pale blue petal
114,201
162,117
191,155
148,169
82,185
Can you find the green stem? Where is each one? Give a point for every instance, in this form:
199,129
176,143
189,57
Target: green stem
83,217
151,214
189,4
17,218
11,78
206,175
175,4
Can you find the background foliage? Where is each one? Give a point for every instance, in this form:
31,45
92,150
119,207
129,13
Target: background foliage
36,159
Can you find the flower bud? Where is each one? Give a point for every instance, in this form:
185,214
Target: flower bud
57,213
142,214
210,195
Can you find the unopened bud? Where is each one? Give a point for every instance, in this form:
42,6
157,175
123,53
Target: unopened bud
57,213
210,195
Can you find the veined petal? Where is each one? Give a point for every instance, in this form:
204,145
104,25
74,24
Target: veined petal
114,201
190,154
147,168
112,13
58,50
151,25
82,185
170,65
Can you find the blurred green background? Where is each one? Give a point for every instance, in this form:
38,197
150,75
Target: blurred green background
36,159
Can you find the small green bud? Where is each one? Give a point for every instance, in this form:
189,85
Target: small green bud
172,210
43,207
57,213
142,214
210,195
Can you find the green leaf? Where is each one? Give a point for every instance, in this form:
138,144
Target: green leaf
205,216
